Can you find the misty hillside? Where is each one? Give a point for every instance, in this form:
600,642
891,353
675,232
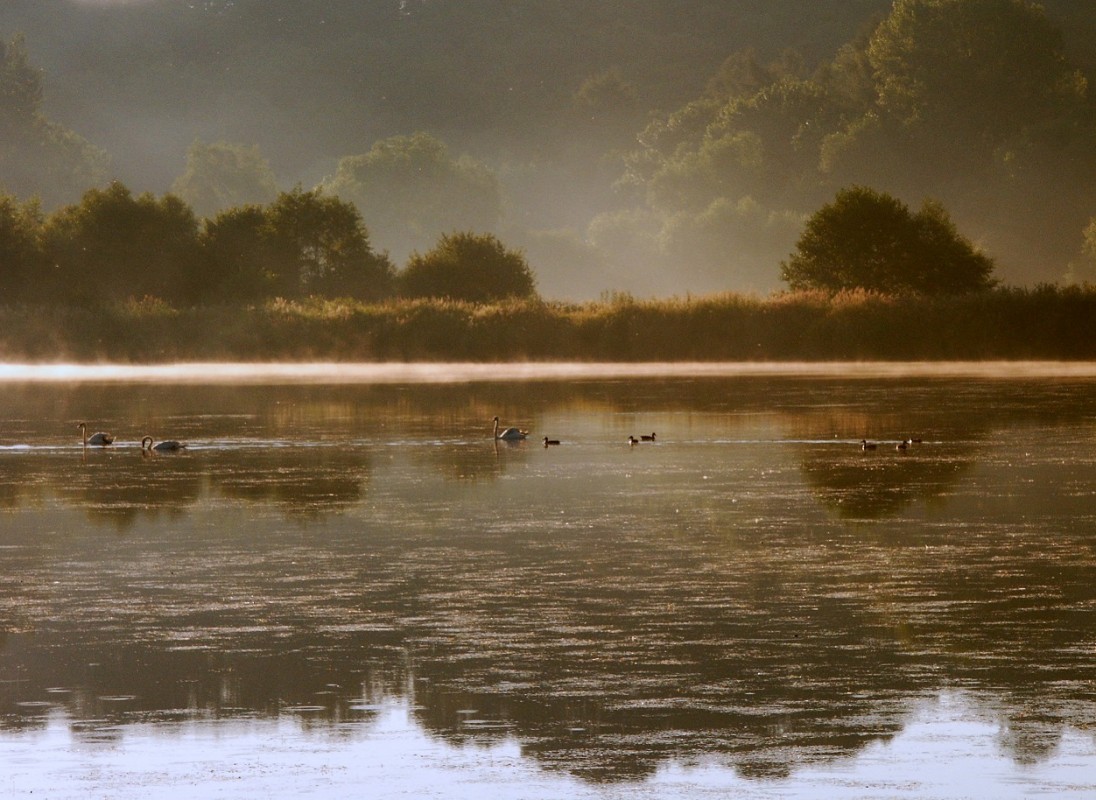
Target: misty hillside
553,114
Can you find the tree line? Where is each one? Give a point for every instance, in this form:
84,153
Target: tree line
976,103
114,246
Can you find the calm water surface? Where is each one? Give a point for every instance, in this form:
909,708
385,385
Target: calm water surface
348,588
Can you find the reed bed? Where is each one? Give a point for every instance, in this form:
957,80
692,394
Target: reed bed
1046,322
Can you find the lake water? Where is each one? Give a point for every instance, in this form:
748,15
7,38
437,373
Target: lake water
345,587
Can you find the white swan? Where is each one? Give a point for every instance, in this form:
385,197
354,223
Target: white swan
99,439
169,446
510,434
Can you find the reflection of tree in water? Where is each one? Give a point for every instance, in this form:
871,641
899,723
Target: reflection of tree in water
881,483
109,685
22,482
608,674
607,649
120,485
299,480
604,654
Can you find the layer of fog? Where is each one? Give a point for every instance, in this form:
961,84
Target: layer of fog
418,373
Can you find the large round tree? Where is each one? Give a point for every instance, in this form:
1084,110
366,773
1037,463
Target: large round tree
866,239
468,266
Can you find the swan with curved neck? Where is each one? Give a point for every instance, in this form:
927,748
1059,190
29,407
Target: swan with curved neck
168,446
99,439
509,434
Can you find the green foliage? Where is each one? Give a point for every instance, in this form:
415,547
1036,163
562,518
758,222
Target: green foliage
20,83
471,267
990,66
39,158
411,189
319,245
869,240
114,245
225,175
239,256
20,255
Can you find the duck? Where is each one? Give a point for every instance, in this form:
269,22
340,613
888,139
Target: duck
647,438
633,440
866,445
902,445
99,439
509,434
548,441
168,446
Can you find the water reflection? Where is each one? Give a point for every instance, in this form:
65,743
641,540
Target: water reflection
751,590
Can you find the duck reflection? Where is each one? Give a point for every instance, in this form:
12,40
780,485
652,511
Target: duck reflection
301,481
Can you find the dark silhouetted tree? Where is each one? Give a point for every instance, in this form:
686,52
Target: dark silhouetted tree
467,266
239,256
113,245
869,240
20,253
320,245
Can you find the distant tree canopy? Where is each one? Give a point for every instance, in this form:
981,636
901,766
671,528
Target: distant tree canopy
984,104
112,246
467,266
972,101
410,188
39,158
994,67
869,240
304,243
320,246
21,260
224,175
115,245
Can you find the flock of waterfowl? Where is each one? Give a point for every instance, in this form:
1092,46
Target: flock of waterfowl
517,434
903,444
148,444
510,434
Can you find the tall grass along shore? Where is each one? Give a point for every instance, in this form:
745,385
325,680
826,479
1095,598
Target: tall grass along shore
1047,322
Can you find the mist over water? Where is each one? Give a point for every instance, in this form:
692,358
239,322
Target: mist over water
366,373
